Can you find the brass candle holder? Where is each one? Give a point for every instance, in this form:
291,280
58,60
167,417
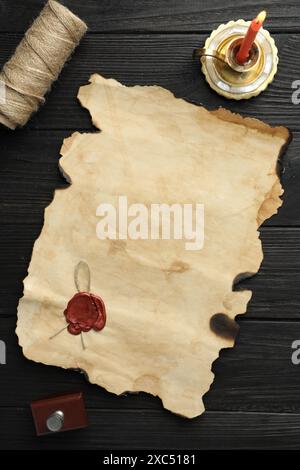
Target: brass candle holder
224,74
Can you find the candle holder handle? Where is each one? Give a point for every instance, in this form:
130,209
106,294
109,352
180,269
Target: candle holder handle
203,52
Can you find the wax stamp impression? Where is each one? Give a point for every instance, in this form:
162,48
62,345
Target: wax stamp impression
85,311
170,309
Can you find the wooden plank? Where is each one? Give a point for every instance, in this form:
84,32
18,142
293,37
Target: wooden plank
164,60
111,430
256,380
256,375
275,288
34,381
29,174
151,15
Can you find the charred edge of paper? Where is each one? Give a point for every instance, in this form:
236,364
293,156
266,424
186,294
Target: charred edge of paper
223,326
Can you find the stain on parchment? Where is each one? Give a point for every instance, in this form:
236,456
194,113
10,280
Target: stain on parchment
223,326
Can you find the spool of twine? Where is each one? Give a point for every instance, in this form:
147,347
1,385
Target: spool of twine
37,63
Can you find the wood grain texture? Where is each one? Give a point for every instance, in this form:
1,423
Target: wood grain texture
129,430
151,15
29,175
256,375
275,288
164,60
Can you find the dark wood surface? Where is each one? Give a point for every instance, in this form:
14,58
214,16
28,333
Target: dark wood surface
254,401
106,16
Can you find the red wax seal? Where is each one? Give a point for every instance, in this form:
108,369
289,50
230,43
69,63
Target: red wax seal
85,312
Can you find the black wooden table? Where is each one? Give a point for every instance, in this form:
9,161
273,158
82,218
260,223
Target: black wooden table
254,401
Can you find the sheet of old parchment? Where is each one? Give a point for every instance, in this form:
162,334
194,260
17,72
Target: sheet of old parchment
162,332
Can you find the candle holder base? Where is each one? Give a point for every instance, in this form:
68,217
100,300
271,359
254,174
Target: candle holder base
222,71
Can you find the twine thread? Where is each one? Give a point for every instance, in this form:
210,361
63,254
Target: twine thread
37,62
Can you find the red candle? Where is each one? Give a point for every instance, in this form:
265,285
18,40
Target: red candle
249,39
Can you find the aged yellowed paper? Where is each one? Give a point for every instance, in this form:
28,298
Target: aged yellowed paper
163,297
